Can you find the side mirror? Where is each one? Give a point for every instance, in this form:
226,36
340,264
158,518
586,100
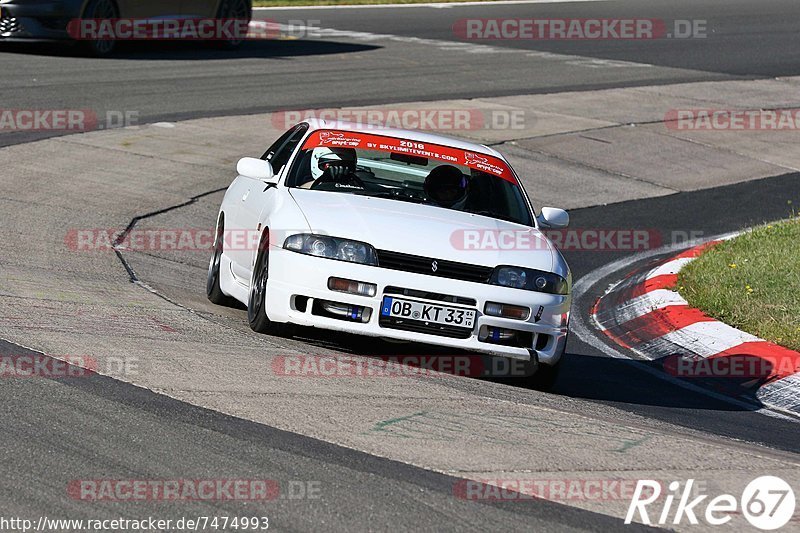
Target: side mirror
257,169
552,217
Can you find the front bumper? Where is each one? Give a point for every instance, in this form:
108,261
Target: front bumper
45,20
294,277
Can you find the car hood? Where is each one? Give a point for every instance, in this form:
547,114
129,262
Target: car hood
425,230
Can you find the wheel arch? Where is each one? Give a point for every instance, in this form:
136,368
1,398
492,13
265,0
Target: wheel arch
263,240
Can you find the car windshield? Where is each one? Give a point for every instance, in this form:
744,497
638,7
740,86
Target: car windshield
409,171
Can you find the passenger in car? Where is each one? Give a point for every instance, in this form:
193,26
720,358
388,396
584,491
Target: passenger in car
446,186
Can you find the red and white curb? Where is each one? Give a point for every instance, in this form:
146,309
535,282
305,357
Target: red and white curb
643,314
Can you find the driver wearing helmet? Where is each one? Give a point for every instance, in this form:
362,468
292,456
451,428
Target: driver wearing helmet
331,165
446,186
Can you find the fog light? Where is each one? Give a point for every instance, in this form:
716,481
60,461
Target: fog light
352,287
507,311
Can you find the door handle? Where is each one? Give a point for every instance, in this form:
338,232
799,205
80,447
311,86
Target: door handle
245,195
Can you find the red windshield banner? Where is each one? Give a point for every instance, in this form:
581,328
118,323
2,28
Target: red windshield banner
367,141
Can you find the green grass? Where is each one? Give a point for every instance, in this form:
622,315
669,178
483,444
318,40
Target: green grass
294,3
751,282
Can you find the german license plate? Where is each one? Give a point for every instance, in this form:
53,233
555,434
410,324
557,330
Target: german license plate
426,312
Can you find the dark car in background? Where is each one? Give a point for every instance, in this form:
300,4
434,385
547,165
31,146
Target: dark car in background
48,20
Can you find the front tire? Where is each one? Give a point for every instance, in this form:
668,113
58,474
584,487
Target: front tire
546,375
100,9
257,300
213,290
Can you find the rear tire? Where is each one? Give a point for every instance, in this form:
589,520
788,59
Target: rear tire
257,300
234,9
100,9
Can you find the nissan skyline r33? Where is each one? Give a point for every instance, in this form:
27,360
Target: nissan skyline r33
382,232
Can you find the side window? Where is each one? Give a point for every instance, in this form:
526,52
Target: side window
276,145
280,152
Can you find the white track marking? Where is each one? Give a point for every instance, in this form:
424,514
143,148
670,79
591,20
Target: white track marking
646,303
585,283
670,267
584,332
784,393
433,5
461,46
702,338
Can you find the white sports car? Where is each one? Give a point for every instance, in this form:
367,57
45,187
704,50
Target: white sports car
397,234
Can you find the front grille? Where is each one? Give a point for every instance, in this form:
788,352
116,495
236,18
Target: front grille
9,25
424,265
425,295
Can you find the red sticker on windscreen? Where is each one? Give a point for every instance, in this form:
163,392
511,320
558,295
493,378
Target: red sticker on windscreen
367,141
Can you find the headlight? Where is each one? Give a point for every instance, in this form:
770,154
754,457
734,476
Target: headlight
332,248
528,279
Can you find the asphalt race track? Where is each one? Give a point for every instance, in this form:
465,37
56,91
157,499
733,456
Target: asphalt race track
371,454
749,40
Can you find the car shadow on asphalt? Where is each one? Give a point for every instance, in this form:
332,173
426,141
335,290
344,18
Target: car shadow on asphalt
190,51
652,383
590,377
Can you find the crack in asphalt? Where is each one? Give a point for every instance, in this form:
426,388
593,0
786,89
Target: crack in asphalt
116,245
134,278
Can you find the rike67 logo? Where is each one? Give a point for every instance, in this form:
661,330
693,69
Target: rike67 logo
767,503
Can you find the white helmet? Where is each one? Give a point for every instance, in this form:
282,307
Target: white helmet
323,155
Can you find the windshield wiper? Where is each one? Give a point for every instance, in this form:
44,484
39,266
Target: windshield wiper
395,195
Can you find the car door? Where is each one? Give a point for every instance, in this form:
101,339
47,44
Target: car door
255,194
262,199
